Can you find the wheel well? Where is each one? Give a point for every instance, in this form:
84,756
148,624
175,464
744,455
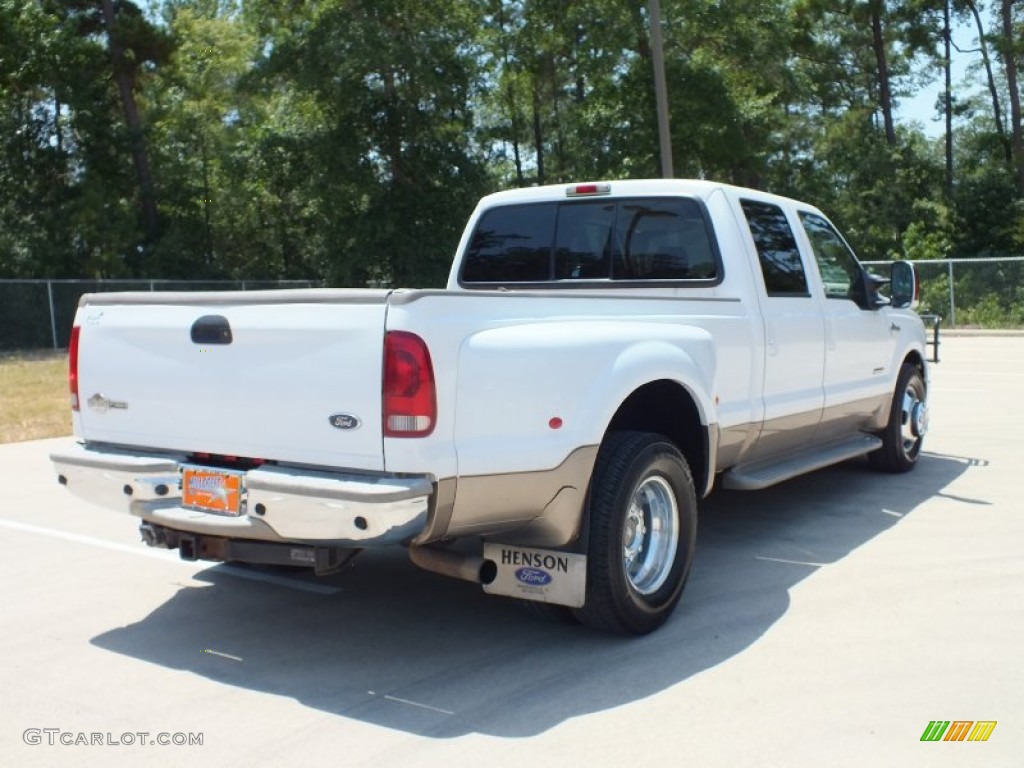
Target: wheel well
667,408
915,359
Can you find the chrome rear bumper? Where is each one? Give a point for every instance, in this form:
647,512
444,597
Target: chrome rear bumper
283,504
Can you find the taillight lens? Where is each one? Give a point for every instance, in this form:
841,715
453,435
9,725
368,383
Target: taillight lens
410,402
73,367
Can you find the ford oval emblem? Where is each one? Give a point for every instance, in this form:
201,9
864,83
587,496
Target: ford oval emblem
533,576
344,421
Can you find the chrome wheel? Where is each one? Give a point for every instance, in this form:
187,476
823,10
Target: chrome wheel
650,535
913,418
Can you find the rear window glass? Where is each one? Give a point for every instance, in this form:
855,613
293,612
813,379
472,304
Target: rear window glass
583,241
630,239
663,240
511,244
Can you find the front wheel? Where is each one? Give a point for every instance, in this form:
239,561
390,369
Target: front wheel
643,531
908,423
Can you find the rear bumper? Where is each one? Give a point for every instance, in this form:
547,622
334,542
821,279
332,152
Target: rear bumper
282,504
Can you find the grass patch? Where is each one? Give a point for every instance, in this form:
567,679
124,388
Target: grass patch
33,396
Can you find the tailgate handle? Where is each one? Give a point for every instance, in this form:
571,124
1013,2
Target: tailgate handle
211,329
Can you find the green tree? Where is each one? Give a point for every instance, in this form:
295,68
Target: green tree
395,165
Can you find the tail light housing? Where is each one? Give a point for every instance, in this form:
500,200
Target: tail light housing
73,367
409,396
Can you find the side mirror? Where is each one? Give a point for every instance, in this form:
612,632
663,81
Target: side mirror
874,284
905,288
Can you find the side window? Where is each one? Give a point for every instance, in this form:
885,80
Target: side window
583,243
512,244
838,266
776,248
663,240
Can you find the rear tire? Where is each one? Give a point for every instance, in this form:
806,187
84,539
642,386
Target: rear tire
908,423
643,532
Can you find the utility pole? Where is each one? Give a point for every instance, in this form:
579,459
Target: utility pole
660,89
948,97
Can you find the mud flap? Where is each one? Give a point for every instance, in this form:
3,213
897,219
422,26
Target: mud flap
544,575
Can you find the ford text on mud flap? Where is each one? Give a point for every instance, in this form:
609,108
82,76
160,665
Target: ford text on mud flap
544,426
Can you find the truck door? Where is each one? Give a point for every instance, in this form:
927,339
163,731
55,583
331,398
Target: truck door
794,333
859,343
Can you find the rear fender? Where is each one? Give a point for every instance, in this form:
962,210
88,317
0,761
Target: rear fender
529,395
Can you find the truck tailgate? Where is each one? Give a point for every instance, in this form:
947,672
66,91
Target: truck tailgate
261,375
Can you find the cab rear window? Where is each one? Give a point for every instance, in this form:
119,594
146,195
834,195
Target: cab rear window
639,239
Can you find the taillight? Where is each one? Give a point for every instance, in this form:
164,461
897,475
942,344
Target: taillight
410,404
73,367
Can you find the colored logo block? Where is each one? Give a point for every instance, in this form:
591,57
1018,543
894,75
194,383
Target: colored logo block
958,730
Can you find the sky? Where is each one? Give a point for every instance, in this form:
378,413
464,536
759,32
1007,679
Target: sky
920,107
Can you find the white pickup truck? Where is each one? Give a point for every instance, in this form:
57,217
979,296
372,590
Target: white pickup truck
603,354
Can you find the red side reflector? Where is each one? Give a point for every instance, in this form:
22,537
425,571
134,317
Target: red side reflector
409,398
73,367
585,190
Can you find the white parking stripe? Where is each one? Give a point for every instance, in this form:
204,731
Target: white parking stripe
790,562
411,703
170,557
223,655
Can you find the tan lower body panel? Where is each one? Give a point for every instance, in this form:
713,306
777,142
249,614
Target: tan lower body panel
440,515
788,433
545,508
542,508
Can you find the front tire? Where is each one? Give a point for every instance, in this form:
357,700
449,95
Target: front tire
908,423
643,532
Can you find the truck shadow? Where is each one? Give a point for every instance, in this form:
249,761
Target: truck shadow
404,649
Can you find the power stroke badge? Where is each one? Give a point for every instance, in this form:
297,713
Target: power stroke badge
101,404
538,574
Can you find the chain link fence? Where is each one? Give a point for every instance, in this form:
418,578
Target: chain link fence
36,314
970,293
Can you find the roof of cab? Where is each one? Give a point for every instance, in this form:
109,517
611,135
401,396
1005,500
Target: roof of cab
631,187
